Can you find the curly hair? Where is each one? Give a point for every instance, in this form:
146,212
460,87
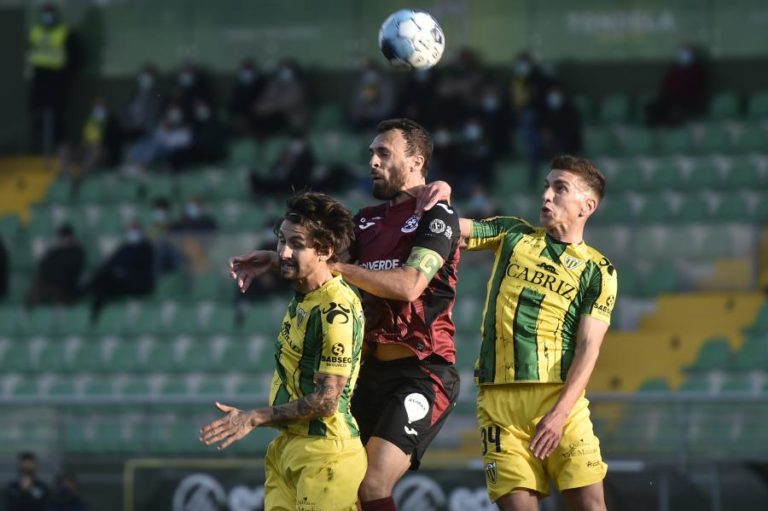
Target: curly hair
328,222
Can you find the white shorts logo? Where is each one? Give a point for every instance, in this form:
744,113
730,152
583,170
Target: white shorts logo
416,406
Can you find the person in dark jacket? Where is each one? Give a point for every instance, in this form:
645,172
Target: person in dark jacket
59,271
27,492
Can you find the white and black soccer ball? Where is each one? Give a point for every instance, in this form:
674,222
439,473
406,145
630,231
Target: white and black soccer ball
411,39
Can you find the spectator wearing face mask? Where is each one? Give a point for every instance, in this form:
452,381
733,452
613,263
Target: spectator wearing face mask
100,144
456,89
191,84
560,126
52,58
194,218
59,271
168,257
493,112
27,492
446,154
283,107
249,84
208,137
128,272
416,98
373,98
145,106
683,91
527,91
476,153
293,170
171,142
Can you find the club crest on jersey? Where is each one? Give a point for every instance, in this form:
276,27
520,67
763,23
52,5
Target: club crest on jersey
411,224
571,263
437,226
300,315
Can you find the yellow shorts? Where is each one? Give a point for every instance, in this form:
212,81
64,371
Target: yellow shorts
508,415
313,473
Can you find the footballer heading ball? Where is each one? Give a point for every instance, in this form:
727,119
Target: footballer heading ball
411,39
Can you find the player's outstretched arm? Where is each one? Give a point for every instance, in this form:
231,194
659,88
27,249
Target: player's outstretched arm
550,429
246,268
405,284
236,424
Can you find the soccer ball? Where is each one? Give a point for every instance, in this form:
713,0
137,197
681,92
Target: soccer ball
411,40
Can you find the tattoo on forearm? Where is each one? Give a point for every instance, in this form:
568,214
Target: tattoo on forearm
321,403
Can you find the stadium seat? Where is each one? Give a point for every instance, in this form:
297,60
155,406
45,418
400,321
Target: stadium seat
693,208
732,207
665,175
753,355
743,173
715,138
327,117
638,141
660,279
208,286
599,142
10,227
752,139
725,105
675,140
704,175
757,107
586,107
715,353
614,109
126,357
244,153
16,358
654,209
511,177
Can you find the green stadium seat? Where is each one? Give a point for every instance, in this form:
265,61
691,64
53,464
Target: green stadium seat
126,357
638,141
222,321
716,138
654,209
675,140
732,208
654,385
615,109
38,321
586,107
196,184
715,353
273,147
661,279
138,387
725,105
599,142
99,388
511,177
10,317
162,358
694,208
59,192
757,107
244,153
328,116
208,286
696,383
173,286
761,212
628,176
704,175
233,186
10,227
753,355
260,319
111,320
761,321
743,173
752,140
25,388
63,387
665,175
54,357
17,358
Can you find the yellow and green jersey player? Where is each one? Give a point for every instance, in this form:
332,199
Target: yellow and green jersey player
317,461
548,306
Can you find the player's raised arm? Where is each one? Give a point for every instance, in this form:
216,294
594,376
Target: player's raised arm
236,424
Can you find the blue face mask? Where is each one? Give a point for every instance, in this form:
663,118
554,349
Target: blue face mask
186,79
247,76
99,113
685,57
48,19
133,236
554,100
473,132
146,81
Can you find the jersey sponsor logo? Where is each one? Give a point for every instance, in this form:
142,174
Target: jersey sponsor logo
416,406
411,224
365,223
337,349
571,262
608,266
381,264
410,431
490,472
608,307
334,311
539,278
437,226
335,361
550,268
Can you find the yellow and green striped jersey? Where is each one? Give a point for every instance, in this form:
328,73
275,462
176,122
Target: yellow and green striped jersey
538,290
322,332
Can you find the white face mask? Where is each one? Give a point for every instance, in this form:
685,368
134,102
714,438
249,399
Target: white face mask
48,19
134,236
554,100
203,113
685,57
522,68
370,77
175,116
99,113
146,81
490,103
193,210
160,215
473,132
247,76
186,79
285,74
442,138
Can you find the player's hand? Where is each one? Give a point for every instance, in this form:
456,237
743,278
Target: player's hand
246,268
229,429
430,194
549,431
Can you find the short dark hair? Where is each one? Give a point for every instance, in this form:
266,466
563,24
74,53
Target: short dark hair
328,222
583,168
417,138
27,456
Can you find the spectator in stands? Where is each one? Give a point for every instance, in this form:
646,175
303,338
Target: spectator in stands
493,112
456,89
129,271
3,270
373,98
283,106
59,271
560,129
527,93
208,136
480,204
248,88
191,84
168,257
682,94
52,59
170,143
476,153
446,154
66,494
194,218
292,171
145,106
101,143
417,98
27,492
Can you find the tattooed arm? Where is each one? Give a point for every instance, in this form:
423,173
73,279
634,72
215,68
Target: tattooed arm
323,402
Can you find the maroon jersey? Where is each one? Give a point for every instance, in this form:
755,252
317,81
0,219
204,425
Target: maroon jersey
385,236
